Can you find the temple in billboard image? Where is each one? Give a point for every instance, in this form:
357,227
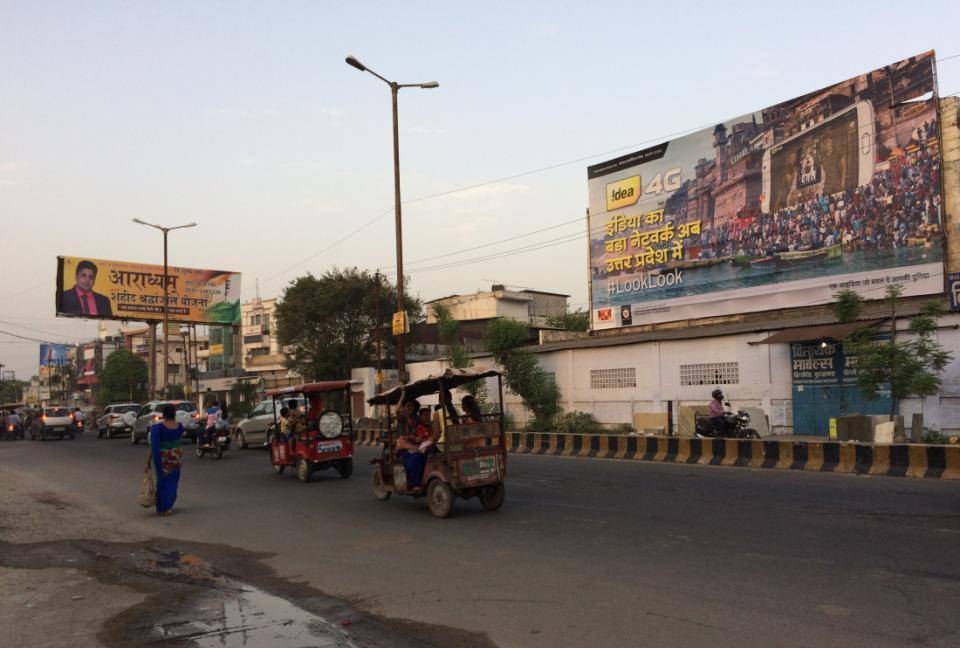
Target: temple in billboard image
779,208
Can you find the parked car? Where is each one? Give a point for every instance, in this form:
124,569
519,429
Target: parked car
54,421
256,429
149,414
118,418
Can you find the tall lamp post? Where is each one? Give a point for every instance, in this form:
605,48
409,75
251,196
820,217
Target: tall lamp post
394,90
166,336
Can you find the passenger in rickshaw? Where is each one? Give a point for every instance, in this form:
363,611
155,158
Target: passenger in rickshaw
471,410
421,434
286,425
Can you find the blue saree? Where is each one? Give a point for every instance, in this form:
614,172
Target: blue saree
166,451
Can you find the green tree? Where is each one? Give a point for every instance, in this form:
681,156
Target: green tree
506,340
576,321
448,330
123,378
11,391
910,367
328,323
242,395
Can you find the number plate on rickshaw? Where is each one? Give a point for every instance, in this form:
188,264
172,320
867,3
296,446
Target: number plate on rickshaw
479,468
329,446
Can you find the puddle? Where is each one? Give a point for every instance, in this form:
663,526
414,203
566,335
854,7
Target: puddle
234,614
216,596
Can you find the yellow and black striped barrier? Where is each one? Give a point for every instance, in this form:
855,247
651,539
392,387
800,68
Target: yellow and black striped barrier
896,460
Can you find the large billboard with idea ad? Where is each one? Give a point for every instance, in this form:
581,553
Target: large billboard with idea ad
122,290
839,188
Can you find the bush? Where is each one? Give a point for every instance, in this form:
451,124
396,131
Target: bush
622,428
934,437
576,423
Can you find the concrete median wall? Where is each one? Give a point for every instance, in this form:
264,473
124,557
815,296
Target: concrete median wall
896,460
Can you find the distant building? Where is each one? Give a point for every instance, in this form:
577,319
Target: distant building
532,307
262,354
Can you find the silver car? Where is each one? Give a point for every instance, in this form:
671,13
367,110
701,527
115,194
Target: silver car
256,428
117,419
150,413
54,421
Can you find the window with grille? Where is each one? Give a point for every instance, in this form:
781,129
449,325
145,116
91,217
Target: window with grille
551,376
613,378
714,373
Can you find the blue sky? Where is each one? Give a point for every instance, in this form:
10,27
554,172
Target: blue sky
244,118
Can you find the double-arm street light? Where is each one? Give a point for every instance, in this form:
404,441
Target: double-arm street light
394,90
166,282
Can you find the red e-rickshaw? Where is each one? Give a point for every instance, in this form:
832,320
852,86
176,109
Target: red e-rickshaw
322,435
468,458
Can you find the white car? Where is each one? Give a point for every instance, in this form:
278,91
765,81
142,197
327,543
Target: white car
256,428
117,419
150,413
54,421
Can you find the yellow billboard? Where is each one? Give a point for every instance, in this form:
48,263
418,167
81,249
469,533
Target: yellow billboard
122,290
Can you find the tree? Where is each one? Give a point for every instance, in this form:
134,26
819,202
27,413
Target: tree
448,329
576,321
123,377
910,367
242,394
328,323
11,391
506,340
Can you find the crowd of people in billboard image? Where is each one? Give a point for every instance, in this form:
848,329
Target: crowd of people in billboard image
900,207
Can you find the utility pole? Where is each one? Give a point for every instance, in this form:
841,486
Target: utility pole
166,282
398,221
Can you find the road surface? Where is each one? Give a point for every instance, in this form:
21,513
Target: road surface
583,553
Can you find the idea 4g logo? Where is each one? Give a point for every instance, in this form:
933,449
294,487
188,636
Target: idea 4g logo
626,192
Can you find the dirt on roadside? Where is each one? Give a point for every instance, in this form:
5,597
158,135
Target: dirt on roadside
72,575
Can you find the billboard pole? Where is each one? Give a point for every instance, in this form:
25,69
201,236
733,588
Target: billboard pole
166,281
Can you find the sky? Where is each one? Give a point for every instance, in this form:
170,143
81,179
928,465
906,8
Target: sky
244,117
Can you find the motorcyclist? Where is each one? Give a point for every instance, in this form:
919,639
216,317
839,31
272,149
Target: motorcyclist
718,413
213,414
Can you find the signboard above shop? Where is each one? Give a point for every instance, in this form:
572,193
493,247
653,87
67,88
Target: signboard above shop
780,208
120,290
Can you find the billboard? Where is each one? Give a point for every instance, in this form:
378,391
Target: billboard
55,354
839,188
121,290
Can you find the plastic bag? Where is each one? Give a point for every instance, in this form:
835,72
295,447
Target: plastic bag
147,496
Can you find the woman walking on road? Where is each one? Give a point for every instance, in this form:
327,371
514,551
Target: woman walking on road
166,453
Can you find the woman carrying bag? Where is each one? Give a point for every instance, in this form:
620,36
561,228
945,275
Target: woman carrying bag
166,455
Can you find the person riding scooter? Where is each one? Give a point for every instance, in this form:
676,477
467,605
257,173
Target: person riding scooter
718,413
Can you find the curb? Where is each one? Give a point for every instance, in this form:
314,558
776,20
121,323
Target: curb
887,460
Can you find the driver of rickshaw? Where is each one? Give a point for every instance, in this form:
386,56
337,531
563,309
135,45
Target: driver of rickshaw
316,409
286,424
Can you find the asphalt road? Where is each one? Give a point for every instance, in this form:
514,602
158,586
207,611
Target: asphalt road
584,552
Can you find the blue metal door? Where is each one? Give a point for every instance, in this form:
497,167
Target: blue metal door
815,405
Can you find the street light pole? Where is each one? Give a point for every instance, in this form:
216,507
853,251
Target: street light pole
398,221
166,282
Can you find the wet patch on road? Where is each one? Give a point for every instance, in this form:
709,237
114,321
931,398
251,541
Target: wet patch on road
215,595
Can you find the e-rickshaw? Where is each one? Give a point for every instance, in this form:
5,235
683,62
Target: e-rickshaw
467,459
322,435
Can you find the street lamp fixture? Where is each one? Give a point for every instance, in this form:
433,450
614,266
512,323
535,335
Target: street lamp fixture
166,282
352,61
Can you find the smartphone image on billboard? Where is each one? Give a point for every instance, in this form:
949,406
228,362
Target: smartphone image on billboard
836,154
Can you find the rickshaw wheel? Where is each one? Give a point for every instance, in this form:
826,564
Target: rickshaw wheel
278,468
345,468
303,470
379,491
440,498
492,499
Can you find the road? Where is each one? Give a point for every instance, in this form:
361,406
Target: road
583,553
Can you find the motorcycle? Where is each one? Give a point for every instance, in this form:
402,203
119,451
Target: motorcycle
213,440
736,425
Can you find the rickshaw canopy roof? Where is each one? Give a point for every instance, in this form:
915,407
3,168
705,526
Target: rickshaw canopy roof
451,379
312,388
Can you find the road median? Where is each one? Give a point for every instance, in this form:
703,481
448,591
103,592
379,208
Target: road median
887,460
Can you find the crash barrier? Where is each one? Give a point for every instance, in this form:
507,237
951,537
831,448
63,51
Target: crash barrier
895,460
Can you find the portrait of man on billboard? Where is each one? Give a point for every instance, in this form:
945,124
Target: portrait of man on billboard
81,299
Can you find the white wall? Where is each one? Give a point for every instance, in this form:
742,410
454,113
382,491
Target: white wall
765,379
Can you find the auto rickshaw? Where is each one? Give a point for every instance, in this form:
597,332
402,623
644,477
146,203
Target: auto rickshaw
468,459
322,436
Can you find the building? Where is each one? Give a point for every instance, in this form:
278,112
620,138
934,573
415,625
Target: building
262,354
533,307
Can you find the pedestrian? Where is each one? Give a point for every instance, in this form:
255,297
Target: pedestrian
166,454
